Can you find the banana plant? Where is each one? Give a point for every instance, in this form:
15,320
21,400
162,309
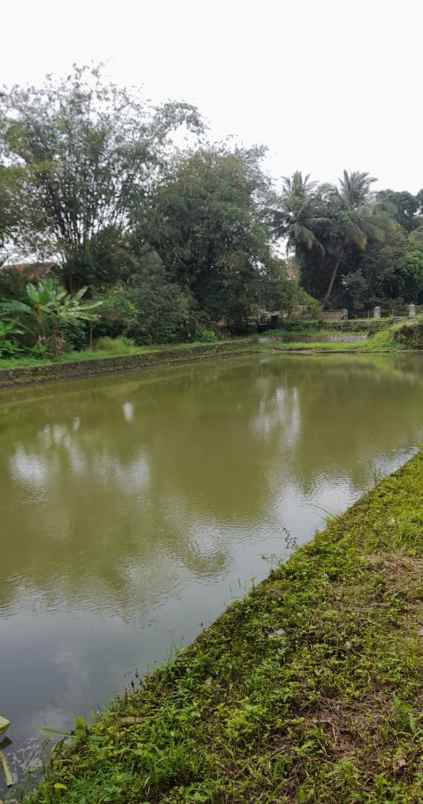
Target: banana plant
47,306
8,346
47,310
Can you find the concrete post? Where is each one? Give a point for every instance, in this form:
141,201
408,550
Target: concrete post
377,312
411,310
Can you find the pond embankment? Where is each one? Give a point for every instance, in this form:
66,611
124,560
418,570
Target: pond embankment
309,689
94,365
297,337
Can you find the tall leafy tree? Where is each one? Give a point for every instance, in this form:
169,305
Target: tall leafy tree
10,178
207,222
90,151
403,207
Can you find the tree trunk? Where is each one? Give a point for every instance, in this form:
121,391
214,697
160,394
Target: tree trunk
331,283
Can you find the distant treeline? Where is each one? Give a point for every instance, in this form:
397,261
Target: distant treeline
171,240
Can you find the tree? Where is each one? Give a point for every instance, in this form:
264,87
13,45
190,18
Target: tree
207,222
377,274
165,311
324,224
90,151
355,218
297,213
403,207
10,178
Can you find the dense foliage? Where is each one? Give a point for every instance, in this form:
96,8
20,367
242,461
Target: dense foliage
355,248
171,242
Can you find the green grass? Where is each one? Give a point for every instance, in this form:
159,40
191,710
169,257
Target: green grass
405,335
353,325
317,346
87,355
383,341
308,690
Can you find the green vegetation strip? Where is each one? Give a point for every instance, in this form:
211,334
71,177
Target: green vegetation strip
402,336
310,689
81,364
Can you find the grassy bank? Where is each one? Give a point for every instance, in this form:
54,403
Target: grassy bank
97,354
310,689
358,325
89,364
394,338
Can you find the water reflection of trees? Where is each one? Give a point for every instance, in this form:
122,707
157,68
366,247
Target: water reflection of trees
117,487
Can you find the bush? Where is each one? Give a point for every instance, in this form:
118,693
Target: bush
8,345
409,334
118,313
207,336
377,324
165,312
13,282
311,306
76,337
40,350
297,325
114,345
9,348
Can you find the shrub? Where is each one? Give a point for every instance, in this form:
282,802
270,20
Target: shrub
310,305
409,334
376,324
9,348
118,313
115,345
8,345
49,314
165,313
207,336
13,283
77,336
40,350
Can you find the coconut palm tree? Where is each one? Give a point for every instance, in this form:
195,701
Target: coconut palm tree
354,216
297,214
355,188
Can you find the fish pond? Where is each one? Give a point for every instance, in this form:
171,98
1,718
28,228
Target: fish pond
134,509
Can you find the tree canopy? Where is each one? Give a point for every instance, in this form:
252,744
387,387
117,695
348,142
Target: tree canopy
173,233
90,152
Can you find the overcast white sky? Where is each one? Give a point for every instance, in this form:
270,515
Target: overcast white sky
325,84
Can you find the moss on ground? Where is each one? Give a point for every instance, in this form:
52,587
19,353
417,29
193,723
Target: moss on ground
310,689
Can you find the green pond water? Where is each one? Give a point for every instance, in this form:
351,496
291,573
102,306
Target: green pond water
134,509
